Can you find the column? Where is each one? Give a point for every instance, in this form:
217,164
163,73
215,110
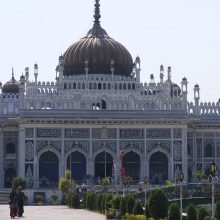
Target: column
62,158
35,170
1,159
21,152
184,153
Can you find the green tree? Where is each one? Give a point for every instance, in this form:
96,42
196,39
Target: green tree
116,202
138,209
158,204
217,210
147,211
130,205
18,181
108,202
202,213
191,212
173,212
123,206
65,183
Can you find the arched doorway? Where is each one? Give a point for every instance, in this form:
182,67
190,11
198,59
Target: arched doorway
76,163
158,168
103,165
131,163
48,169
10,148
10,173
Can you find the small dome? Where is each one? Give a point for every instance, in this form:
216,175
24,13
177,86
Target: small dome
99,50
12,86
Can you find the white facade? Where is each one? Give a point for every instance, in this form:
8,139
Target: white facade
115,114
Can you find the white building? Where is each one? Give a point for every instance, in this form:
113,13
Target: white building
97,117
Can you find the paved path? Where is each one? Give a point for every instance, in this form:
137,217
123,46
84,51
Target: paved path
51,213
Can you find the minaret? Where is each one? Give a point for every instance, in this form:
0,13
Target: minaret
87,71
169,73
161,73
184,92
27,74
112,68
35,73
197,98
60,69
138,68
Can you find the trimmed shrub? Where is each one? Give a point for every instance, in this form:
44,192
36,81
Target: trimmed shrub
123,206
138,209
158,204
75,201
191,212
103,202
202,213
217,210
99,203
116,202
18,181
207,218
69,199
85,198
130,205
173,212
108,202
147,211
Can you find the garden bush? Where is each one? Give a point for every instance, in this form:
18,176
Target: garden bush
103,202
202,213
75,203
130,205
69,199
18,181
123,205
207,218
173,212
158,204
191,212
138,209
217,211
108,202
147,211
99,202
116,202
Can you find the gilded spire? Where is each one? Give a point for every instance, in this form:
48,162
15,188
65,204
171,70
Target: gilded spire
12,72
97,15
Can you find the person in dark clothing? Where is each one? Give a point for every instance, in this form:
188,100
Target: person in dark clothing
20,201
13,203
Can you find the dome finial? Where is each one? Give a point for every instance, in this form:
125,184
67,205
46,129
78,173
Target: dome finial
12,72
97,15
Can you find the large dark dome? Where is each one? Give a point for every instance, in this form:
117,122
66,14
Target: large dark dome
99,49
12,86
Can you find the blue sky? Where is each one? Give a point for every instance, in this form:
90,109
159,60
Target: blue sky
184,34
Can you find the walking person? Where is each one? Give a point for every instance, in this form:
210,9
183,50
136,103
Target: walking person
13,203
20,201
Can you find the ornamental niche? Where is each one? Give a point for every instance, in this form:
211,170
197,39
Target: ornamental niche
158,133
76,145
47,132
29,150
132,145
77,133
104,145
156,145
177,150
177,133
131,133
29,132
48,145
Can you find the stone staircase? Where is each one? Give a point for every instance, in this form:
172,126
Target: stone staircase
4,196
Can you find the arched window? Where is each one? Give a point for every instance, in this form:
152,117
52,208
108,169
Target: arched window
74,85
79,85
94,86
104,86
208,150
109,86
90,85
116,86
133,86
69,86
124,86
103,104
120,86
99,86
83,86
10,148
65,85
129,86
